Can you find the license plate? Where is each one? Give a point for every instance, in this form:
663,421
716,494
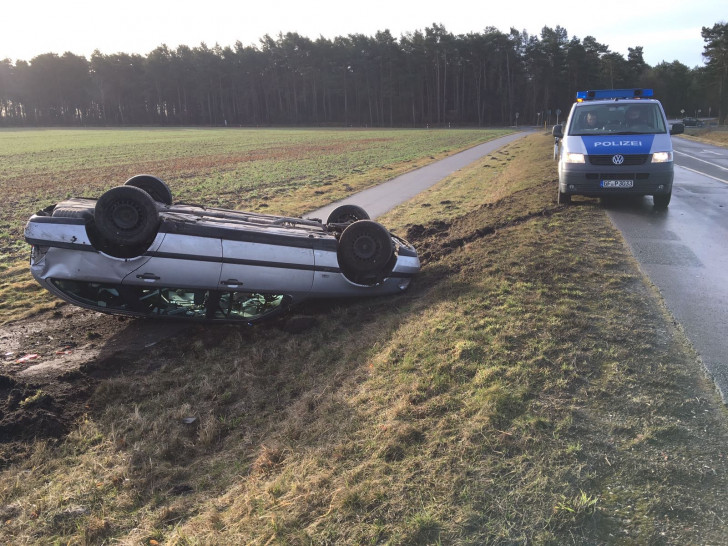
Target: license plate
617,183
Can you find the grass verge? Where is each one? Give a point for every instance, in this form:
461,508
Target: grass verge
709,136
280,171
529,388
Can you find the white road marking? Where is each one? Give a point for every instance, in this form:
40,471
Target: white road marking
721,167
702,173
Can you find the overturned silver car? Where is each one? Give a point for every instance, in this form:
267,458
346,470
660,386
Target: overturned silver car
134,252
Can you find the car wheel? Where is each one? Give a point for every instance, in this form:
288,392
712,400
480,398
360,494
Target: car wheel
365,251
346,214
155,187
662,200
126,218
563,198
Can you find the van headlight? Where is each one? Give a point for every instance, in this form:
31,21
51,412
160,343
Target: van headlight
570,157
662,157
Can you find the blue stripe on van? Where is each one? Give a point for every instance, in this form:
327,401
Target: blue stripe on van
618,144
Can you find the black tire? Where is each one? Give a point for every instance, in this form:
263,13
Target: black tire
346,214
563,198
365,251
127,219
662,200
154,186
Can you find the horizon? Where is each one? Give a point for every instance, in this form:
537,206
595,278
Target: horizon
82,27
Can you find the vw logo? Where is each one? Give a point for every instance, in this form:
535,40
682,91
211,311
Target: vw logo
618,159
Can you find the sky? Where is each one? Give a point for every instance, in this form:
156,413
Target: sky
667,30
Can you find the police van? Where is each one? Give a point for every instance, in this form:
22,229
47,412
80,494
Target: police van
616,142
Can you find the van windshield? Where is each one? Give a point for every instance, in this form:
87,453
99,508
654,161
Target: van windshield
617,119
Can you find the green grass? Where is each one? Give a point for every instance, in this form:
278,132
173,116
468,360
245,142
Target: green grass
316,153
528,388
283,171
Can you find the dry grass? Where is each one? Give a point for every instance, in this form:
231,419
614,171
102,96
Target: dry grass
279,171
709,136
529,388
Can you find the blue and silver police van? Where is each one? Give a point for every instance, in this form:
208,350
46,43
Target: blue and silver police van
616,142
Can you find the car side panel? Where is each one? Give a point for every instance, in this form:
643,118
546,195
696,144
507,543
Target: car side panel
182,261
329,281
70,254
272,268
65,263
61,232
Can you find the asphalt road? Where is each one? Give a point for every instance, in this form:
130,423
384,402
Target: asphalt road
684,250
384,197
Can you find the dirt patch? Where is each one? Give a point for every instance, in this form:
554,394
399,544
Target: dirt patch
51,362
438,238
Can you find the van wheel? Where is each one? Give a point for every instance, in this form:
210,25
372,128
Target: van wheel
126,218
154,186
662,200
563,198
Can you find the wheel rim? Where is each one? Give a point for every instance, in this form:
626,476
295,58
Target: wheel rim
365,247
125,215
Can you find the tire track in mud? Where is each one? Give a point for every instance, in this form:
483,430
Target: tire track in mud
437,239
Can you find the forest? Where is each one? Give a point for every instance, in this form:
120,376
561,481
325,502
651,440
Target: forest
423,78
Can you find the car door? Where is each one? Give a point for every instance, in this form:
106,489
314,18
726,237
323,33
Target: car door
267,262
182,260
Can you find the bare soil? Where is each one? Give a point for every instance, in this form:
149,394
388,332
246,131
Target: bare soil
51,362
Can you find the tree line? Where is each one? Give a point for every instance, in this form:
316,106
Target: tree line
429,77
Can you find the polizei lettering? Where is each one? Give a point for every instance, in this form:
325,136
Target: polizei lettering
609,143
